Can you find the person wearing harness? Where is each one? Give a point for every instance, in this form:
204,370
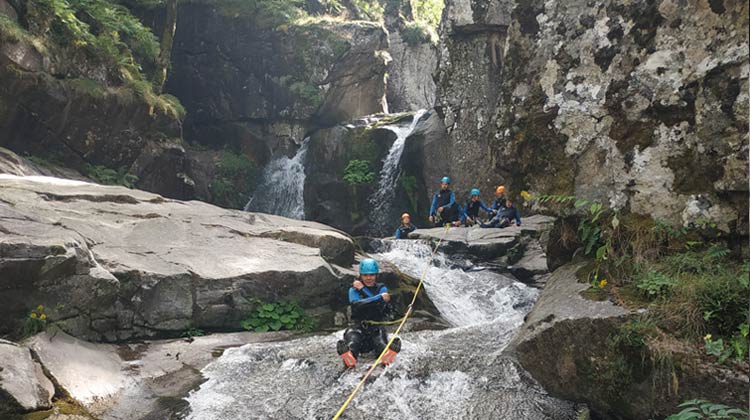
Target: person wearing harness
444,208
505,217
499,203
470,213
406,227
370,303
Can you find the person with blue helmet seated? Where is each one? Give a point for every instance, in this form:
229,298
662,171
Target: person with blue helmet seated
470,213
444,208
405,228
370,302
505,216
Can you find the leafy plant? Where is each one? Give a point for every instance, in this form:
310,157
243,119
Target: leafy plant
705,410
428,11
736,346
36,322
358,172
193,332
109,176
655,284
281,315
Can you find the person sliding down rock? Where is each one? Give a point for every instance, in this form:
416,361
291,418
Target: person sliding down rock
370,303
406,227
505,216
470,213
444,208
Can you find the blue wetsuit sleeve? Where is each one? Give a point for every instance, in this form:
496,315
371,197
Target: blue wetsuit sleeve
433,208
365,301
382,290
354,296
453,200
398,234
518,217
484,207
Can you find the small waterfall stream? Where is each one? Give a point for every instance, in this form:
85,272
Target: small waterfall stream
282,187
382,199
457,373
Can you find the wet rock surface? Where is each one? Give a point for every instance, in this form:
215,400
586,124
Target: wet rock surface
112,263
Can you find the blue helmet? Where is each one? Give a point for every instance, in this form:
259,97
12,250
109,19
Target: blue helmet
446,180
368,266
475,191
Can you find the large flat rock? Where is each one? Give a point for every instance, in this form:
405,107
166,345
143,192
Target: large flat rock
484,243
113,263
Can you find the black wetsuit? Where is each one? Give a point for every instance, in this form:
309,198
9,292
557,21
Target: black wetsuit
367,305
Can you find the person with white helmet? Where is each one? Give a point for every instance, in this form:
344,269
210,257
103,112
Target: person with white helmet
444,208
370,303
405,228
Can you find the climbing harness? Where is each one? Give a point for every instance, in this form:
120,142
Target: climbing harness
402,321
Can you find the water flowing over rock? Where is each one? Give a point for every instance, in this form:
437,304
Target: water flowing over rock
382,215
282,188
455,373
617,101
112,263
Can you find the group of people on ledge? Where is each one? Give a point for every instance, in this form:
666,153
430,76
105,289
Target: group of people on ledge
445,210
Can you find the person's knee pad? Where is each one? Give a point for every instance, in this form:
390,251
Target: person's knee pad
396,345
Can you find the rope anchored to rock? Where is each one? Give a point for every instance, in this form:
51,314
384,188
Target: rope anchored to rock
398,330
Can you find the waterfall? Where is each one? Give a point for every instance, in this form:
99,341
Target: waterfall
282,186
382,199
456,373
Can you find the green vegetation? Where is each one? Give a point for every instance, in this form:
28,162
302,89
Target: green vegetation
266,14
705,410
418,32
358,172
278,316
409,184
35,323
108,176
428,11
234,180
695,287
193,332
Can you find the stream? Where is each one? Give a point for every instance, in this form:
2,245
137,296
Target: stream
456,373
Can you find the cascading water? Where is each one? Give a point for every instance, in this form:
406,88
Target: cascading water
281,190
382,199
457,373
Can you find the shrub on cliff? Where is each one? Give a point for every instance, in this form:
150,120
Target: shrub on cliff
234,180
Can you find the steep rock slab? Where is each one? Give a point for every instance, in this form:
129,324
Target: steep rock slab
566,345
23,385
111,263
640,105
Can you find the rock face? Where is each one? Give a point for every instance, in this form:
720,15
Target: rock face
568,344
263,88
62,107
640,105
111,263
410,83
23,384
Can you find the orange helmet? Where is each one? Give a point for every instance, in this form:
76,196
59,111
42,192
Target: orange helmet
500,189
405,215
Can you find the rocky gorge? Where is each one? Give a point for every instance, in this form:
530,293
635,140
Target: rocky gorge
338,116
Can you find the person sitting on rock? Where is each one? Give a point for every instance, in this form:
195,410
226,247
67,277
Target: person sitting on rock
470,213
406,227
505,216
370,303
499,199
444,208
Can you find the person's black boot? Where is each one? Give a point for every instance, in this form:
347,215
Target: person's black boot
347,356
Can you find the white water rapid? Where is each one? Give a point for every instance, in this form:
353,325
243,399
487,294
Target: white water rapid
457,373
282,186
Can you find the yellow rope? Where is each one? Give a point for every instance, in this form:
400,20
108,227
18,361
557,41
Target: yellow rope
395,333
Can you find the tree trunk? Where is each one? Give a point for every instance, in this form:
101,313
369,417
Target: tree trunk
167,39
